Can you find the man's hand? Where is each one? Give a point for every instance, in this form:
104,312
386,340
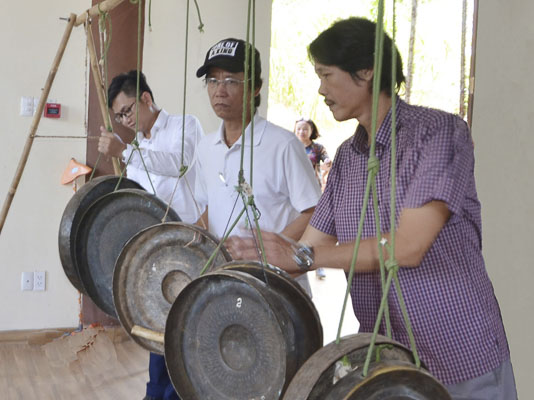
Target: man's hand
277,250
110,144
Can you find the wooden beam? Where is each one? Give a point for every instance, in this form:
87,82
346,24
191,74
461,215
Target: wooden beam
36,119
100,90
106,5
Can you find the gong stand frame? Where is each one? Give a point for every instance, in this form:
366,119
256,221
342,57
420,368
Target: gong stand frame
73,20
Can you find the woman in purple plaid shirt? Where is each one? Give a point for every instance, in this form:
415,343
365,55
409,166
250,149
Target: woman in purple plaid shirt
455,316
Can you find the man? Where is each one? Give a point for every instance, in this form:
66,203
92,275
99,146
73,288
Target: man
454,314
284,185
156,166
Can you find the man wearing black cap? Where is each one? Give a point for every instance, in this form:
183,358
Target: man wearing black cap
284,185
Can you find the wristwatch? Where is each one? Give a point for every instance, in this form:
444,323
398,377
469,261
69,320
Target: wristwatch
303,256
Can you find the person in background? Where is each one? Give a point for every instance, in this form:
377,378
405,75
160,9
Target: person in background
284,184
307,133
159,137
454,314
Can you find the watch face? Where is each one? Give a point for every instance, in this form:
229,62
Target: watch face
304,257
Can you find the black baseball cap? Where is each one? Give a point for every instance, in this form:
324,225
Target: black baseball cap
228,54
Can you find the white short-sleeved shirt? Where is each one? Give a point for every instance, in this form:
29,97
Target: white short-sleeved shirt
162,156
284,182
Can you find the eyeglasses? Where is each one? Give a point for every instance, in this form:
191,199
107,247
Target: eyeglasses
123,114
228,83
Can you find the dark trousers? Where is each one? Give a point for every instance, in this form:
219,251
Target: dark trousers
159,385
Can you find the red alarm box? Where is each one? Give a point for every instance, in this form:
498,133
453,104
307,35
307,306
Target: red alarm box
52,110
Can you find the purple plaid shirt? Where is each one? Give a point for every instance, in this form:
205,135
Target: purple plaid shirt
452,307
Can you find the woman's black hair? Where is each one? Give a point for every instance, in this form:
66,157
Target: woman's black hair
349,44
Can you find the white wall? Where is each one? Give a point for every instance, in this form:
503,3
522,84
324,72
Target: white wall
502,130
29,40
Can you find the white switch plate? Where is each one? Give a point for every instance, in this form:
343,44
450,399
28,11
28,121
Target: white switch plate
26,106
26,281
39,280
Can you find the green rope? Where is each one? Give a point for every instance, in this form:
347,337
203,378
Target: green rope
243,188
381,257
252,91
150,15
377,72
201,24
250,62
377,323
105,42
94,167
256,214
391,264
406,318
134,143
212,256
356,247
373,163
241,177
106,117
183,168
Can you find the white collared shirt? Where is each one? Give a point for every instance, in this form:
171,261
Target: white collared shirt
284,182
162,156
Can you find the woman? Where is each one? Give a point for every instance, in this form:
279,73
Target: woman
307,132
438,246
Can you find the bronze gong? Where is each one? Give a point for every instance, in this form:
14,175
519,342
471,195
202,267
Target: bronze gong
103,231
314,380
153,268
389,380
302,312
76,207
228,336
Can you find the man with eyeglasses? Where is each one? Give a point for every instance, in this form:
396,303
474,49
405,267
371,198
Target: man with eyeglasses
156,166
284,185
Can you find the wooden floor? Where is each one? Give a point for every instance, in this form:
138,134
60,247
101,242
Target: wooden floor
94,364
101,364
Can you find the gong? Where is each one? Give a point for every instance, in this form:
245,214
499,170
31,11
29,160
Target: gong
314,380
103,231
229,336
76,207
389,380
302,312
153,268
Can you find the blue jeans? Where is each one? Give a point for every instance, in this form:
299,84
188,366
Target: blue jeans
159,385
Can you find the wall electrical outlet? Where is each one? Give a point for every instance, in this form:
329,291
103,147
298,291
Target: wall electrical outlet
26,281
39,280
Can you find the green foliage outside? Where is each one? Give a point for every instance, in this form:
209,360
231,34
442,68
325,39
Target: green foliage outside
293,84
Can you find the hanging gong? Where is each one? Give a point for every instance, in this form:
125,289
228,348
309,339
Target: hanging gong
315,379
76,207
153,268
102,232
228,337
389,380
302,312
